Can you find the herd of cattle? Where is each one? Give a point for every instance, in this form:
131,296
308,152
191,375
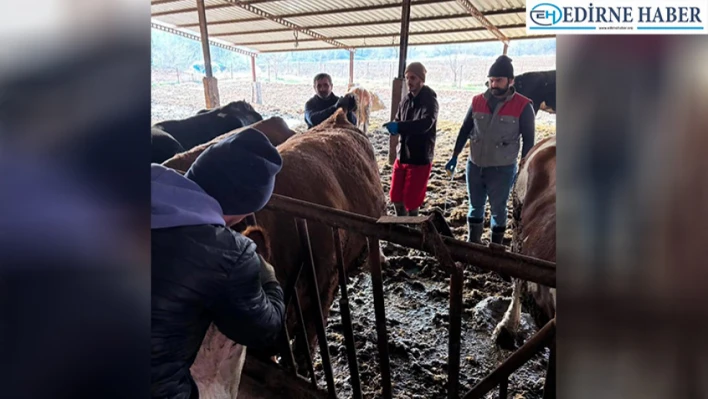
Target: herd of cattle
334,164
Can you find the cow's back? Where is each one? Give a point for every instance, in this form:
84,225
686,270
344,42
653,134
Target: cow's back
333,165
275,129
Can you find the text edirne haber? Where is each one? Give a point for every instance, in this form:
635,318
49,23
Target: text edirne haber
625,14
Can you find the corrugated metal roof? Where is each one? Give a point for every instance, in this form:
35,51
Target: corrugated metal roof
356,23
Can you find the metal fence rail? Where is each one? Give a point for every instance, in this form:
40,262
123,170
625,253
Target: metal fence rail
429,238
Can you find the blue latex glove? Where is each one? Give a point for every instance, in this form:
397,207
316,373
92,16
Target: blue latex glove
451,165
392,127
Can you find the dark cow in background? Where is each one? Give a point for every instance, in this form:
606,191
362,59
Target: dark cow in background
540,87
534,234
207,125
164,146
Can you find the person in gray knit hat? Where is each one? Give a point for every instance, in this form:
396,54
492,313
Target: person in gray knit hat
496,122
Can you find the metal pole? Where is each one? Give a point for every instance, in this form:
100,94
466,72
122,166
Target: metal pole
316,310
506,47
347,318
253,69
380,313
405,25
205,37
351,69
398,86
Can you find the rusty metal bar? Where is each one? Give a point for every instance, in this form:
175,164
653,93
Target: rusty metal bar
515,265
503,388
304,346
317,307
479,16
355,24
347,318
287,351
380,313
536,37
516,360
549,387
455,328
431,234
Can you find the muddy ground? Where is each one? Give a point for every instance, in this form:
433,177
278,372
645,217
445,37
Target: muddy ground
416,292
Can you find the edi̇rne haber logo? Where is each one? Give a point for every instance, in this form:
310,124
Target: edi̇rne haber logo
623,17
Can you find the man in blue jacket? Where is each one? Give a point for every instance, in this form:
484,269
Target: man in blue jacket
204,272
496,123
324,103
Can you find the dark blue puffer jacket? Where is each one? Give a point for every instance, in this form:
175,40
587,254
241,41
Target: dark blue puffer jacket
202,272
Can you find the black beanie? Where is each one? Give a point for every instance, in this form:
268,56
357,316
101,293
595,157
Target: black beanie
239,172
502,68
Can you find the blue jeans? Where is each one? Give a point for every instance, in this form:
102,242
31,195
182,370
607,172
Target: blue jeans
495,182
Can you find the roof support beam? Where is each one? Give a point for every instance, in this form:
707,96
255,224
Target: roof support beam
355,24
380,35
192,36
474,11
414,44
188,10
339,11
294,27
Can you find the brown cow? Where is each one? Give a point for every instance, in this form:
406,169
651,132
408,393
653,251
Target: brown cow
367,102
332,165
219,362
534,197
274,128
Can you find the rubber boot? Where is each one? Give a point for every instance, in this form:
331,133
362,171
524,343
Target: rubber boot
498,235
413,212
498,238
400,209
474,229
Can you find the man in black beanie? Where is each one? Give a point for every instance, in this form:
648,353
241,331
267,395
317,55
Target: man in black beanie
204,272
495,123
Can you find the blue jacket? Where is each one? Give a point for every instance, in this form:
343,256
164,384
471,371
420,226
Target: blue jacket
202,272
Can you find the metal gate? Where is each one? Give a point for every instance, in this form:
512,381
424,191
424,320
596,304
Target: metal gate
432,236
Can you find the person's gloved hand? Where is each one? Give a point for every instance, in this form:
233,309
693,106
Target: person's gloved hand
267,273
351,102
392,127
451,165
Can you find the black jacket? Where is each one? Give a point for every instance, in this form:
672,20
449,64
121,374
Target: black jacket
417,127
317,110
202,272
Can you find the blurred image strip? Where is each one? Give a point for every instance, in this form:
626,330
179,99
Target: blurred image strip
632,216
74,199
